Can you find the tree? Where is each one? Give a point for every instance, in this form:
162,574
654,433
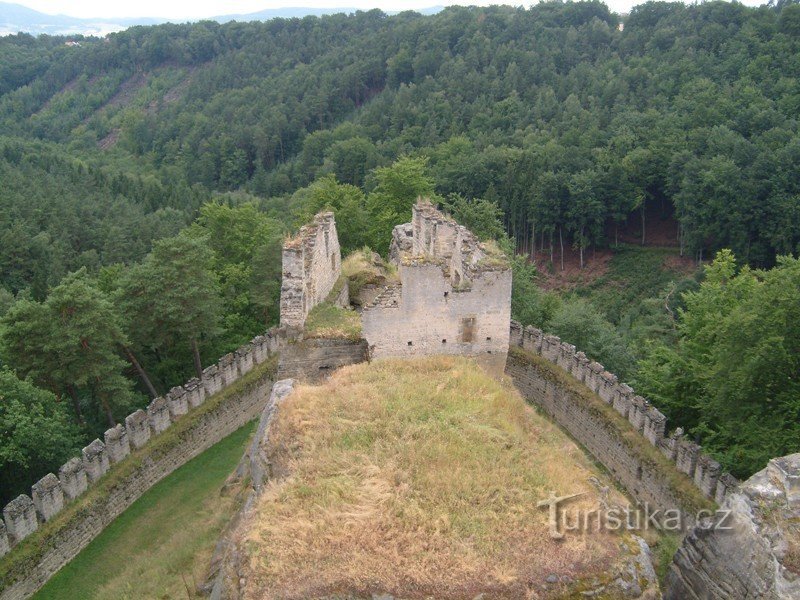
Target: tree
586,213
36,434
396,189
731,379
173,297
481,217
246,244
348,204
69,344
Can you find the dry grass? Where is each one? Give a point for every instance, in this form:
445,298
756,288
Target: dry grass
416,478
364,267
329,321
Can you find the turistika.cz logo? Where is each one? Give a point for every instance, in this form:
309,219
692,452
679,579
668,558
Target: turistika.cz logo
564,519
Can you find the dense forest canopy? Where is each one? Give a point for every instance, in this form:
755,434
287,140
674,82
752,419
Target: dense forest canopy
168,162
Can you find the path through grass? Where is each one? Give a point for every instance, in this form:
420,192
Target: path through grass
161,545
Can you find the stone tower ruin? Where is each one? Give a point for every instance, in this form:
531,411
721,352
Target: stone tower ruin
312,263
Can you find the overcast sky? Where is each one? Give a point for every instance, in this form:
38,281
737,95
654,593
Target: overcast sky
196,9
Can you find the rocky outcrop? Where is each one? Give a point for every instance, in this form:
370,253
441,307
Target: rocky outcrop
751,548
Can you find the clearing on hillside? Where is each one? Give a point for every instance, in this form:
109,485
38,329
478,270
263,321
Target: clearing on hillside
420,478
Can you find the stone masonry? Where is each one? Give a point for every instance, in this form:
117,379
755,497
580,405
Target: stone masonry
644,480
312,263
51,494
454,295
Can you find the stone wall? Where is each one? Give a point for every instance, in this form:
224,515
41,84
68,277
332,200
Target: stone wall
90,490
620,429
454,296
315,359
312,263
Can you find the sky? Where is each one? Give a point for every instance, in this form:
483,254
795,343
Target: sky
197,9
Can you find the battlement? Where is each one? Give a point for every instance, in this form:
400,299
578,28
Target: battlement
51,494
454,295
312,263
704,472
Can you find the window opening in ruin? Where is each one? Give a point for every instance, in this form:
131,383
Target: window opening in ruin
469,327
410,343
446,294
333,261
639,473
488,339
444,341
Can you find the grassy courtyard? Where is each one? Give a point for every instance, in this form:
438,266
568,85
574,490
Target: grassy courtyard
161,545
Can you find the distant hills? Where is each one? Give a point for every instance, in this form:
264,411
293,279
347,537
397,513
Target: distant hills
16,18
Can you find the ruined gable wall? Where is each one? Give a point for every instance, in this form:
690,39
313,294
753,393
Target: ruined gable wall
312,263
447,302
431,315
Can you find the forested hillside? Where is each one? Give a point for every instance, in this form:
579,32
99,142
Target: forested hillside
160,167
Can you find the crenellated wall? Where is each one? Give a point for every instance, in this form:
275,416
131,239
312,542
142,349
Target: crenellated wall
578,395
218,416
312,263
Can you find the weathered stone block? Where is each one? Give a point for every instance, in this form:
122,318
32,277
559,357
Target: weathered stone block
47,496
580,367
95,460
532,339
226,368
244,359
72,477
211,380
687,455
607,387
515,334
551,348
138,427
158,414
638,410
566,357
706,475
725,485
5,544
655,424
20,517
118,445
622,404
594,376
195,393
669,446
177,402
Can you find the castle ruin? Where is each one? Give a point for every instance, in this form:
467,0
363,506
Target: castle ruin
312,263
454,295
